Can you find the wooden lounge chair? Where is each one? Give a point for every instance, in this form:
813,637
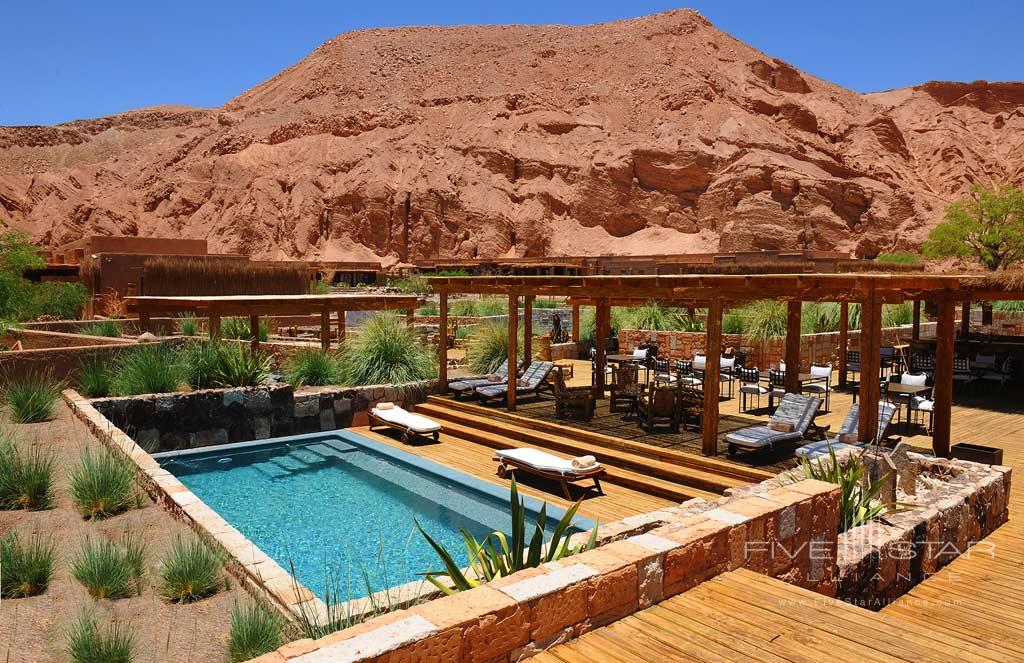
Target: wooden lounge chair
402,420
579,399
467,385
795,412
533,380
820,448
549,466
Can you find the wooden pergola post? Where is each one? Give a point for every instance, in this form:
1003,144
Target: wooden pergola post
915,324
602,327
513,349
844,340
793,310
442,345
325,330
410,318
945,343
528,328
254,332
341,326
575,322
965,319
870,368
213,323
143,321
712,372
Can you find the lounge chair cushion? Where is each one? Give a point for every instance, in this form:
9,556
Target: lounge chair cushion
544,461
400,417
820,448
794,409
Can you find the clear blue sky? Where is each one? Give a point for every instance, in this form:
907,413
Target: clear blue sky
67,60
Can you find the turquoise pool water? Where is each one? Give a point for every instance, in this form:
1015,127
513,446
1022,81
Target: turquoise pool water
340,507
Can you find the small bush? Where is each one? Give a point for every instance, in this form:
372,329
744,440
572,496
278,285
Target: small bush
201,364
765,320
109,569
59,299
463,307
237,366
26,478
319,288
148,369
27,567
314,367
191,572
899,258
255,630
32,398
895,315
1008,305
238,329
428,308
188,325
415,285
732,322
88,643
109,328
103,485
385,352
94,379
547,303
488,348
491,306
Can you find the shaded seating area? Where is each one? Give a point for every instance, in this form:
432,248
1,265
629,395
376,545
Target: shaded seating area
533,380
846,437
467,385
791,422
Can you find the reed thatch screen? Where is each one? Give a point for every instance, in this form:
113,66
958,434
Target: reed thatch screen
198,276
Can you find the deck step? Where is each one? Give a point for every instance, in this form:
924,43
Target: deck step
715,465
482,427
678,490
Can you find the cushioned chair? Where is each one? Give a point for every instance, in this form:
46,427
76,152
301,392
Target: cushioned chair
795,411
467,385
661,405
726,373
823,385
848,431
572,399
963,373
852,366
685,375
533,380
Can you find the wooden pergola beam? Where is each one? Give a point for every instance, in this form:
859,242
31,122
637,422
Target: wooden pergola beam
844,340
442,359
943,387
513,350
528,328
712,373
793,311
870,368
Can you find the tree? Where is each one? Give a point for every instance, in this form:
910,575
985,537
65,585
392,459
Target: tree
20,298
988,227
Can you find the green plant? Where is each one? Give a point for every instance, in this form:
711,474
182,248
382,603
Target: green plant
102,485
188,325
27,566
59,299
94,379
463,308
618,319
495,556
488,347
109,328
385,352
313,366
987,227
896,315
319,288
547,303
428,308
765,320
201,363
148,369
255,630
653,316
238,329
26,477
191,572
899,258
491,306
858,498
88,643
110,569
1008,305
238,366
31,399
732,322
416,285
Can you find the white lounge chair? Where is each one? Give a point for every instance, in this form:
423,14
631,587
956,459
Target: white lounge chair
849,429
549,466
402,420
795,411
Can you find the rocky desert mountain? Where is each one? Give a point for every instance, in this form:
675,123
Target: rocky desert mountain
655,135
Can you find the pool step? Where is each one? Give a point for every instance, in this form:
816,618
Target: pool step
328,451
290,463
308,456
272,470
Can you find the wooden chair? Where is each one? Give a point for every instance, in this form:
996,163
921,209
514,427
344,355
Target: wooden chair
568,399
691,406
626,387
661,405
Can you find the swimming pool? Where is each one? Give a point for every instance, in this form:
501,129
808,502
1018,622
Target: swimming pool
340,506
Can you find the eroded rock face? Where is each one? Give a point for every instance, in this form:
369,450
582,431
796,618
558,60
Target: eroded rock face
654,135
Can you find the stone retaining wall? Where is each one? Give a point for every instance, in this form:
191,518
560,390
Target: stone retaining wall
59,353
187,420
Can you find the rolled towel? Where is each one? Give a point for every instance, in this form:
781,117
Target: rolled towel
583,462
385,406
495,378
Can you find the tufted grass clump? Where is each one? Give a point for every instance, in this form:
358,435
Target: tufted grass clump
191,572
313,367
88,642
31,398
103,485
153,368
238,366
188,325
111,569
488,347
200,361
238,329
94,379
255,630
385,352
26,476
108,328
27,566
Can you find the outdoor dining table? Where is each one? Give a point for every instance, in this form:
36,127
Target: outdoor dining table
624,358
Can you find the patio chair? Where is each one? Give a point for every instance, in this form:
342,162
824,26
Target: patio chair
691,406
550,466
846,437
790,423
923,363
593,368
467,385
662,371
685,375
726,373
852,366
886,360
1003,375
750,385
963,373
570,399
661,405
533,380
924,405
824,386
390,415
776,386
626,387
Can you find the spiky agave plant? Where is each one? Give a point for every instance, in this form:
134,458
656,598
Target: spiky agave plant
497,556
386,351
858,499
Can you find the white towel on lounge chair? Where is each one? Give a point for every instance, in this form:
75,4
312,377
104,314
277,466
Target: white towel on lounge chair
544,461
584,462
415,422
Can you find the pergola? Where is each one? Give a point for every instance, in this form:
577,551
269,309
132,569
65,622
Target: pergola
716,292
254,306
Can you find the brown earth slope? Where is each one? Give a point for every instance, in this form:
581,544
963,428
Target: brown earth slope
654,135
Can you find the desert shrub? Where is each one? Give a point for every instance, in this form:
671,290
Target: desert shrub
111,569
94,379
238,329
491,306
819,317
87,642
1008,305
200,362
112,304
653,316
31,398
895,315
732,322
314,367
488,347
899,258
547,303
27,566
191,572
109,328
765,319
148,369
26,477
385,352
415,285
428,308
188,325
619,318
58,299
238,366
255,630
319,288
102,485
463,307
